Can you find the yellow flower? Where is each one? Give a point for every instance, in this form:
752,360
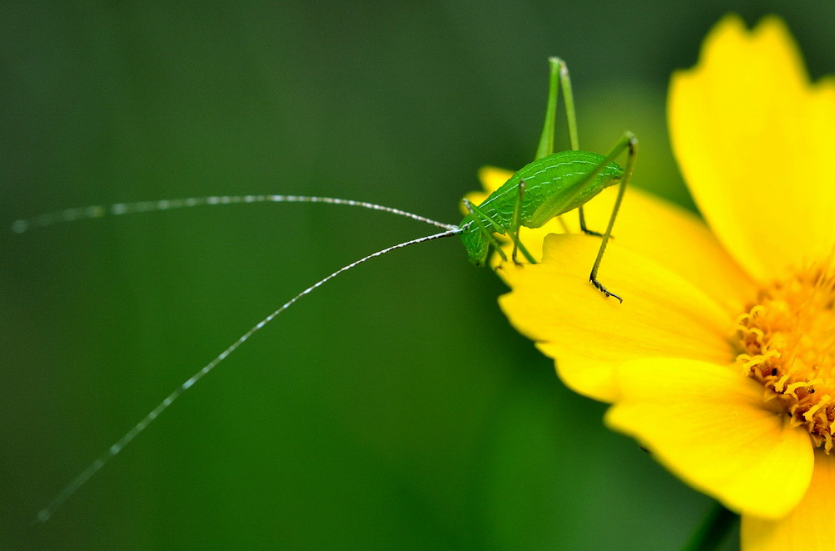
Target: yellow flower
721,359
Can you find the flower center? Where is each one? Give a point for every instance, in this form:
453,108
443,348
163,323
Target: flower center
788,342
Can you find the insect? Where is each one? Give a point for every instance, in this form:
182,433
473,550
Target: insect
552,185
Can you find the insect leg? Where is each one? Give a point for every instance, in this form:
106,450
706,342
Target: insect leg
628,141
574,140
472,209
570,113
516,226
546,140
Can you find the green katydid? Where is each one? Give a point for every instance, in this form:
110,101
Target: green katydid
553,184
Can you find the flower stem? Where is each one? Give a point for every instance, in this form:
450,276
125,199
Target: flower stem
713,530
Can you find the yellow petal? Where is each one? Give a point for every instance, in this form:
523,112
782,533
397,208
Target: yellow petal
662,315
708,424
808,526
754,141
673,237
492,177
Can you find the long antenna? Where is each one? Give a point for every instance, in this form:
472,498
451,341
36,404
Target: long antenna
118,209
113,450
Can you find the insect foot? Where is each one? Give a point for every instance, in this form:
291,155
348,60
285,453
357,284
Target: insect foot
603,289
592,232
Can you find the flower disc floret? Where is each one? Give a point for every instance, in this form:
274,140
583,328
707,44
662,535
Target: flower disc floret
787,337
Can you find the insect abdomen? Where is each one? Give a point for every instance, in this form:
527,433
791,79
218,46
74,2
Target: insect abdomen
551,184
550,190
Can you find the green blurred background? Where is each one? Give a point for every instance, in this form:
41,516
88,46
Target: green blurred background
394,408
